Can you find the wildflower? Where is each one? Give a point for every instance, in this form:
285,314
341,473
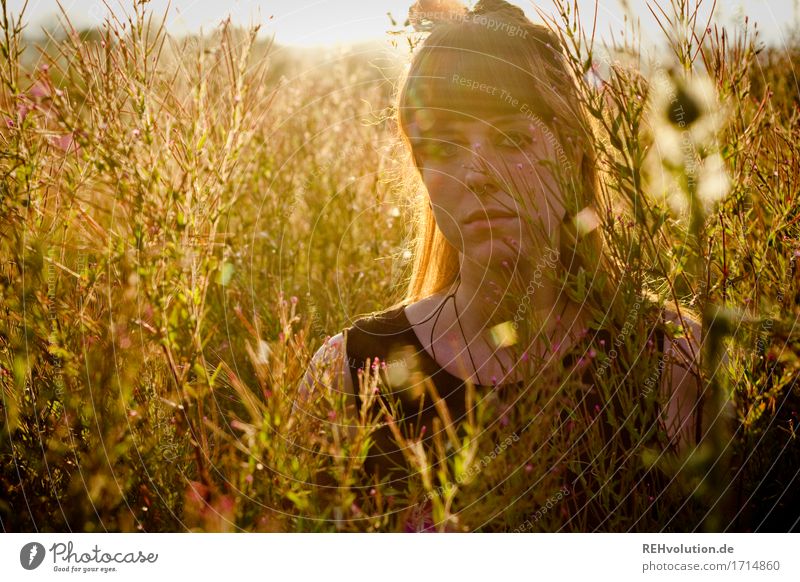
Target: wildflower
686,118
23,109
65,142
586,221
713,181
688,105
38,91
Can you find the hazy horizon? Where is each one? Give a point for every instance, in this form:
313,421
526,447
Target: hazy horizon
326,23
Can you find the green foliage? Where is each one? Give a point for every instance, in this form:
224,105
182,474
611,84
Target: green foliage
165,202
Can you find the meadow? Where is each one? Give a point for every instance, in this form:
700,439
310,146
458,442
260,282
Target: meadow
183,222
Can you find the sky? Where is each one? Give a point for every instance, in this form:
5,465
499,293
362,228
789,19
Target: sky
310,23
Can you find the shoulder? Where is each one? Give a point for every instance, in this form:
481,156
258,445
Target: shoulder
683,335
374,334
330,349
328,367
386,320
682,382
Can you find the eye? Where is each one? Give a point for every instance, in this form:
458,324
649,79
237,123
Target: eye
514,140
440,149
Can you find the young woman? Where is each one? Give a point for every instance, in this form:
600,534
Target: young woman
490,115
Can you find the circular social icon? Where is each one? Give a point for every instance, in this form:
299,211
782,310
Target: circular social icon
31,555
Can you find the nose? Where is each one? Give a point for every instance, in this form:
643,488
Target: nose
478,179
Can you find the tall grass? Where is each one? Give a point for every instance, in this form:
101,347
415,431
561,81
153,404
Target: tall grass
183,224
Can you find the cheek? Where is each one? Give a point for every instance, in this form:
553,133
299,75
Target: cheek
447,200
543,195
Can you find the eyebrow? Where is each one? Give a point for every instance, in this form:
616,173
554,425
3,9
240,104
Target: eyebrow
453,125
508,116
490,118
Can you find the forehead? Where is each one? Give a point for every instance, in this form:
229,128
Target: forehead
460,120
425,122
479,84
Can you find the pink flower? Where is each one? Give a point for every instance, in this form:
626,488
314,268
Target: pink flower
22,110
65,142
38,91
421,519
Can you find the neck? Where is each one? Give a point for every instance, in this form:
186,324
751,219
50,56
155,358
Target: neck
484,299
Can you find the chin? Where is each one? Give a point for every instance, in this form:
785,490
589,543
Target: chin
493,255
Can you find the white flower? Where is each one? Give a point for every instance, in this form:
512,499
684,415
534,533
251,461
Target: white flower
685,113
686,117
713,181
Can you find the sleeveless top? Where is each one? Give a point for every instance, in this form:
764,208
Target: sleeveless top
404,363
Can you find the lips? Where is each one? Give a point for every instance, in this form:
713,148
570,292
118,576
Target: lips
488,215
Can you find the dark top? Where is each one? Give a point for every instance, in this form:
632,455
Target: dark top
404,364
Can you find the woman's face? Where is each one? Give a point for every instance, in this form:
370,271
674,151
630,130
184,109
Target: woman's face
468,168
